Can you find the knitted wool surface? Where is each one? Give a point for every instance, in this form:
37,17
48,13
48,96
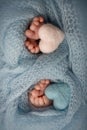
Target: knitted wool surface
20,69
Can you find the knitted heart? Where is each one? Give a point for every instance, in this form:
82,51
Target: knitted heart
60,94
51,37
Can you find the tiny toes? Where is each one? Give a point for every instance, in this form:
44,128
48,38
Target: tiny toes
30,47
36,19
47,81
34,93
31,99
33,27
36,23
41,101
42,81
29,33
37,50
36,102
41,19
37,87
46,100
33,50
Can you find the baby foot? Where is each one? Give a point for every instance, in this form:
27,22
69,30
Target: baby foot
37,96
32,46
32,35
32,32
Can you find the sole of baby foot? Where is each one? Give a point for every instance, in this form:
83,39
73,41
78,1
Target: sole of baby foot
33,30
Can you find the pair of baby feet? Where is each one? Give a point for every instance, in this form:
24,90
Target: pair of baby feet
36,96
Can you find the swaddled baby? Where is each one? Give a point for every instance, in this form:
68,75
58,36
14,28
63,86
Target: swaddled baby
44,37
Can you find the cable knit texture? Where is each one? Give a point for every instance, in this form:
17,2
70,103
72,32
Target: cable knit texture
20,69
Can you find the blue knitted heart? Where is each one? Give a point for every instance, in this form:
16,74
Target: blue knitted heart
60,94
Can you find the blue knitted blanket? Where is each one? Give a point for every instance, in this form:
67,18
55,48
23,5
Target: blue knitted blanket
20,69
